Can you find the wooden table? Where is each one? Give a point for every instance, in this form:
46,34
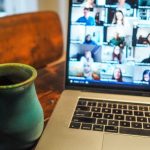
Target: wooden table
49,85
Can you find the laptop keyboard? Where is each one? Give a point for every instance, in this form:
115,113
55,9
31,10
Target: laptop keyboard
115,117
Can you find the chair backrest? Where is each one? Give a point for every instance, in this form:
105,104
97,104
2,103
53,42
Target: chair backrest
31,38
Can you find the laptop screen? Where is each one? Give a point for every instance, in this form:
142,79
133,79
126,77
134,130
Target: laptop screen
109,44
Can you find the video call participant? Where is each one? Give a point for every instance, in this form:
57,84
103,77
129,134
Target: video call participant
88,20
88,40
146,76
117,75
123,4
98,20
122,22
142,40
87,62
124,7
146,60
116,55
147,41
88,4
87,58
118,18
117,40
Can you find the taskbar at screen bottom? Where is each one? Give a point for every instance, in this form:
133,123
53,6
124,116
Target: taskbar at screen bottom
111,82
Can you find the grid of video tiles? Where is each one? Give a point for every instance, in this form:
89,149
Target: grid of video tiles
110,41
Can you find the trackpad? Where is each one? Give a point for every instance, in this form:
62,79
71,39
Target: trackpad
125,142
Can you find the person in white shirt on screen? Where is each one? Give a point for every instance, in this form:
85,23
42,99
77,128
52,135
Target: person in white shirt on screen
124,7
88,4
87,62
87,58
122,23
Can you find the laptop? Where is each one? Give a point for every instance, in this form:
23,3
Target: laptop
106,101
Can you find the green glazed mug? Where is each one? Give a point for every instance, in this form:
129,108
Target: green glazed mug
21,115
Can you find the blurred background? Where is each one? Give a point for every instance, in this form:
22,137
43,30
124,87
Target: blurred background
10,7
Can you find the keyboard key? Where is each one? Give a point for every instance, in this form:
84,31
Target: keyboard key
112,105
143,108
82,114
124,124
113,122
97,115
141,119
82,102
138,113
113,129
122,106
146,126
108,116
130,118
119,117
106,110
136,125
98,127
134,131
117,111
84,119
102,121
102,104
127,112
86,126
147,114
83,108
95,109
91,103
133,107
75,125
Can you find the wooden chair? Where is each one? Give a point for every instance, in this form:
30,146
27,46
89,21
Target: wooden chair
31,38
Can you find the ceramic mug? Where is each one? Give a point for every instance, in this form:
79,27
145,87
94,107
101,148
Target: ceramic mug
21,115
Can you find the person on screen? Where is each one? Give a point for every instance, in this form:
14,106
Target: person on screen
140,40
118,18
88,20
116,55
87,62
87,57
88,4
147,40
117,40
146,60
88,40
117,75
98,20
146,76
144,40
124,7
122,22
123,4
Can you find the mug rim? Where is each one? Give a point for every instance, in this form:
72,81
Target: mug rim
27,81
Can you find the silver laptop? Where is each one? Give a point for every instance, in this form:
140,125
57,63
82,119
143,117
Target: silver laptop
106,103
